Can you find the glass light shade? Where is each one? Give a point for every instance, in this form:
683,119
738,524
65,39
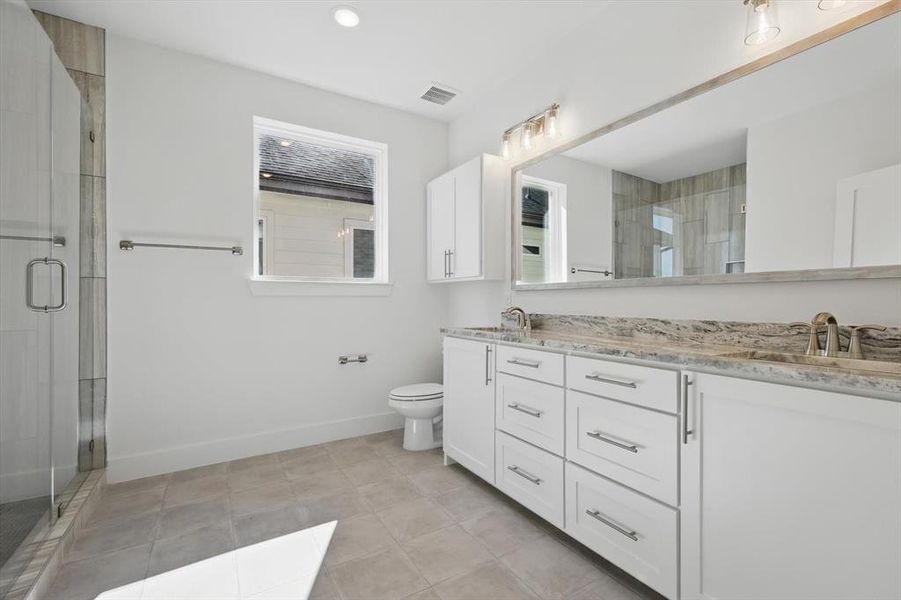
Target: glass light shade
831,4
526,137
553,128
505,147
763,22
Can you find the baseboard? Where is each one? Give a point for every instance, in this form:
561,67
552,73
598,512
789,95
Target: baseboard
135,466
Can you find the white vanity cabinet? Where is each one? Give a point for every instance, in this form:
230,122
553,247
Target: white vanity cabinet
465,222
469,405
789,493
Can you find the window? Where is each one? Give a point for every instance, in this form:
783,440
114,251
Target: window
543,230
320,211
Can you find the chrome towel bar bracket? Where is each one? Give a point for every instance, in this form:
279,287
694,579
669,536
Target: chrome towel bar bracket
130,245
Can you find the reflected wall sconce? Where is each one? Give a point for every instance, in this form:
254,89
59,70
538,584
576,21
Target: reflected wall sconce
543,124
763,22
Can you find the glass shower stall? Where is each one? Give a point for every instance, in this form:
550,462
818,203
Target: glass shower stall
40,147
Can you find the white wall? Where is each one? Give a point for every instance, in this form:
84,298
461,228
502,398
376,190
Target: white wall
794,164
199,369
589,206
605,72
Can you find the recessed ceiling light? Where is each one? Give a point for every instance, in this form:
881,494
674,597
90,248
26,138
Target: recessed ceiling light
346,16
286,143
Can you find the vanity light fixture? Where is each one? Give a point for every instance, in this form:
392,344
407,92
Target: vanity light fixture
763,22
542,124
345,16
831,4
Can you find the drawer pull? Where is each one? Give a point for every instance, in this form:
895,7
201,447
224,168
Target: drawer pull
525,474
598,378
532,412
597,436
597,515
525,363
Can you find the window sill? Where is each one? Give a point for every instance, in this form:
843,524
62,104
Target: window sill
294,287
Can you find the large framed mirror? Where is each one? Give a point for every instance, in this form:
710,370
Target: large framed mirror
785,169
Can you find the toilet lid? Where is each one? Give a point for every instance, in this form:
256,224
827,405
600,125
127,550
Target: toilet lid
418,391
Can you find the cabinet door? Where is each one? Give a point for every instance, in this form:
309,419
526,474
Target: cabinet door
440,217
789,493
466,260
469,405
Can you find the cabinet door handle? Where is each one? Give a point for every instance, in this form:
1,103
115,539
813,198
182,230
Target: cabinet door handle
445,264
525,474
525,363
597,515
487,365
685,430
597,436
598,378
532,412
450,263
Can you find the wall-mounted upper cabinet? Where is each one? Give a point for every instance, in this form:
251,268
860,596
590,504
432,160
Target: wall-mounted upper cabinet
465,216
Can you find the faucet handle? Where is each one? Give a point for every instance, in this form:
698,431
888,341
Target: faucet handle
854,348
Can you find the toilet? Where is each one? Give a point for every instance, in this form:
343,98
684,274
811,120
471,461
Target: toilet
420,404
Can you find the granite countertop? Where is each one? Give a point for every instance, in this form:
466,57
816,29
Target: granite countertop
694,355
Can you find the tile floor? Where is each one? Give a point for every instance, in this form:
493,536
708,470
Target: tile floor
407,527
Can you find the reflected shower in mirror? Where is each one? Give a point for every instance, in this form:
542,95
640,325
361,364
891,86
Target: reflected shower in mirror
796,166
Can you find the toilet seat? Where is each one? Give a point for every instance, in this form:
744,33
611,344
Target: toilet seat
417,392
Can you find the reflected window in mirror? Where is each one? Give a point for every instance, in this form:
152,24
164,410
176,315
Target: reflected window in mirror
543,229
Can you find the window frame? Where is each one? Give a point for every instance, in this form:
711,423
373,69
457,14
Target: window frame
555,252
263,284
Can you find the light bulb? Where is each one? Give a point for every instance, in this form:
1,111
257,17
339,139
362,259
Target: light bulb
285,143
346,16
526,137
505,146
552,128
266,175
763,22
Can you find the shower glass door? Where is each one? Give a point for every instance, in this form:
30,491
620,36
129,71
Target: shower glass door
39,245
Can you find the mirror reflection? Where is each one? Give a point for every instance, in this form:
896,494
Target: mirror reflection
743,178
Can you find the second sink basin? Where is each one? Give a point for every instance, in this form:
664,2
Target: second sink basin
854,364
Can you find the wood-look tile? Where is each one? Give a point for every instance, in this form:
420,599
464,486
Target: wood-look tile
79,46
92,221
92,328
98,423
85,423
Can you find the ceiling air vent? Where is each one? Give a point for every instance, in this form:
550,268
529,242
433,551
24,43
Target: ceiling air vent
439,94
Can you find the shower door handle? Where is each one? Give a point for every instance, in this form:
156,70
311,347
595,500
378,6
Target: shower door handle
29,285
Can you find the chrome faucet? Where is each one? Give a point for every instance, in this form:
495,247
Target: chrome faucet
522,318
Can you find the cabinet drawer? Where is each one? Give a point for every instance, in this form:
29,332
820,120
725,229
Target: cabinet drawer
531,410
635,446
644,386
534,364
635,533
532,477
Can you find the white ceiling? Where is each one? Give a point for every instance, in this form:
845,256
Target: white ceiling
397,51
710,131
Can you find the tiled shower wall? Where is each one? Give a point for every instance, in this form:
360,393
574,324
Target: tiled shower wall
81,48
704,213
